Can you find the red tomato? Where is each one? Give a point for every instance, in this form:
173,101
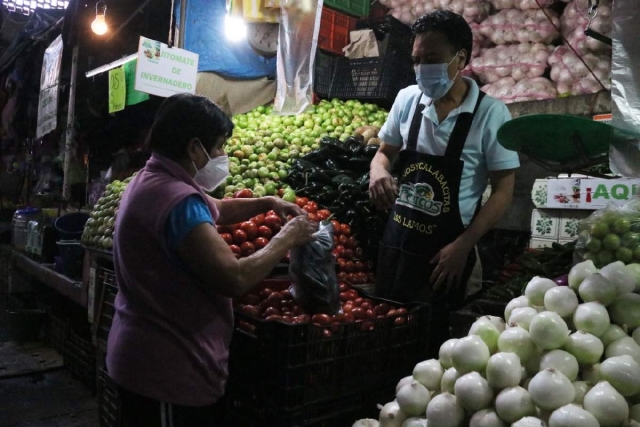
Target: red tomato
271,213
342,264
274,299
336,227
247,327
251,299
344,287
358,266
370,313
367,326
273,222
236,250
358,301
323,214
362,278
225,229
227,238
273,317
345,229
326,333
343,240
347,254
250,228
297,310
259,219
243,194
348,318
301,201
342,276
353,278
401,320
366,306
359,313
347,308
264,294
349,267
239,237
312,217
287,319
322,319
353,242
250,310
340,249
271,310
286,294
264,231
260,243
247,248
345,296
303,318
402,311
392,313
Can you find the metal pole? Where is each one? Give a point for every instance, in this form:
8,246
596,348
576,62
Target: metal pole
69,144
183,23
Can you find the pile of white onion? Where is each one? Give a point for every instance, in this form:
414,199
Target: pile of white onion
521,26
519,61
565,357
521,4
508,90
407,11
575,19
573,77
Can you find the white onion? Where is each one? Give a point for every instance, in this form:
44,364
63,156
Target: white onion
514,403
607,405
415,422
622,279
391,415
634,270
562,362
581,271
444,410
473,392
636,335
572,416
561,300
614,333
449,379
596,288
522,317
445,353
413,399
529,422
625,311
504,370
403,382
536,289
592,317
367,422
470,354
581,388
519,302
586,348
634,413
591,374
487,331
497,322
624,347
516,340
548,330
551,389
486,418
623,373
429,374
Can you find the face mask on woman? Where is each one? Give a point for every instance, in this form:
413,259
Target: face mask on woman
213,173
433,79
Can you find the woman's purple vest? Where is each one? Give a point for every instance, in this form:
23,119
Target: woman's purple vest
169,340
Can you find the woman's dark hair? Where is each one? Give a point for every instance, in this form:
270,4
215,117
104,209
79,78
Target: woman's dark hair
183,117
451,25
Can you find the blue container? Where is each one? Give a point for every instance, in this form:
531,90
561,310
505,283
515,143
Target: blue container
71,226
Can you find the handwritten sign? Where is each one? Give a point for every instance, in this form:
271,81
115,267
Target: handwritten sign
117,90
165,71
49,79
133,96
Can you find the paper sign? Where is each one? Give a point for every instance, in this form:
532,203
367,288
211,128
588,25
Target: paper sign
165,71
133,96
117,90
49,78
590,193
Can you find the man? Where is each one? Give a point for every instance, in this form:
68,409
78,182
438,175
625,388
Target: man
441,134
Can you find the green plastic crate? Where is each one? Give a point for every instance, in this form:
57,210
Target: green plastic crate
358,8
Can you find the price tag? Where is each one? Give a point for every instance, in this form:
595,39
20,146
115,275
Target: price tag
117,90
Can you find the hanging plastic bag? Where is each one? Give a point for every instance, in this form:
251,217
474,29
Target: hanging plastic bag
313,274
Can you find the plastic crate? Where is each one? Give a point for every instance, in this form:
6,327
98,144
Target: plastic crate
80,359
107,307
324,68
335,28
109,410
376,80
296,368
460,321
358,8
392,34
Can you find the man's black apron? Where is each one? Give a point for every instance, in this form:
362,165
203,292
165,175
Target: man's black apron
425,219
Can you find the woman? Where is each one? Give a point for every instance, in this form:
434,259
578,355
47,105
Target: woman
169,341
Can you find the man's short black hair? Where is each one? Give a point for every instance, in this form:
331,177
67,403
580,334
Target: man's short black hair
183,117
451,25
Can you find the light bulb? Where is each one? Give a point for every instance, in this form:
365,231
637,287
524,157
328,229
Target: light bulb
99,25
234,28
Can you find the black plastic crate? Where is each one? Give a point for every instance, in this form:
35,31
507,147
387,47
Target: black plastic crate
80,359
392,34
109,410
106,305
376,80
324,69
460,321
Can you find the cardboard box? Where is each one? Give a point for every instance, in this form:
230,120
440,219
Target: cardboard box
545,224
583,193
570,221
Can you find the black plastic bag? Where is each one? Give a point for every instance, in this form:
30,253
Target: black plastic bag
313,274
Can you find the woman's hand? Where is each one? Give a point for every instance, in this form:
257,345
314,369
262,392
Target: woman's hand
299,230
284,209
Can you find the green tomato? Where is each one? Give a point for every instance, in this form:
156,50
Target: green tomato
263,172
274,176
594,246
605,258
636,253
289,196
625,255
270,188
230,189
253,158
250,182
599,230
621,226
282,174
611,242
259,191
630,240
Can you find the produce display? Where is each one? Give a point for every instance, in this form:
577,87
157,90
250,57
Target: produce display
610,234
407,11
573,77
575,19
336,176
279,306
519,61
263,144
99,229
521,26
563,356
508,90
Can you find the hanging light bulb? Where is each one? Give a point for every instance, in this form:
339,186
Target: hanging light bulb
99,25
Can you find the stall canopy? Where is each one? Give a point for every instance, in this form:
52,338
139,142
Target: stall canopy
204,30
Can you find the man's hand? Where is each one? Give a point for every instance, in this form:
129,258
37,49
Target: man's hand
284,209
451,262
382,188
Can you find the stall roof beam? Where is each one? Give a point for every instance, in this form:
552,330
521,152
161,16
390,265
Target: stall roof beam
112,65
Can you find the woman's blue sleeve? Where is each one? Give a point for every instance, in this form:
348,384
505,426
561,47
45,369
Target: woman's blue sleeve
184,217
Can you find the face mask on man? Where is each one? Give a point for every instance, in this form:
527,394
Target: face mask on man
213,173
433,79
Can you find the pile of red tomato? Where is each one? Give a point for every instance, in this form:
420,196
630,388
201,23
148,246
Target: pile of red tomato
250,236
280,306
